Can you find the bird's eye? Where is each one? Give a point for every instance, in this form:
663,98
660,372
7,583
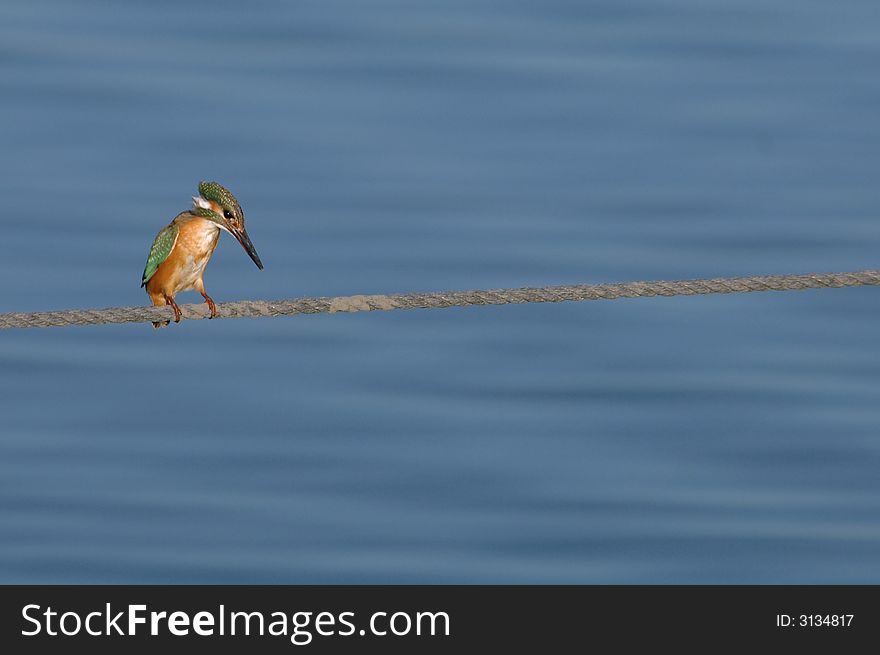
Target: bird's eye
227,213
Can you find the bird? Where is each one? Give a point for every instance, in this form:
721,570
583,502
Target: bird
182,249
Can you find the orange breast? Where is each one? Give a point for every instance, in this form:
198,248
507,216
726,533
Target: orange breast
185,265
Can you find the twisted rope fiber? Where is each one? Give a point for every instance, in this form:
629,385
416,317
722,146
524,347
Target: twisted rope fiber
438,300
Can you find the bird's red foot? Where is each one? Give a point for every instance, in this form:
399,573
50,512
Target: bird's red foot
211,305
177,312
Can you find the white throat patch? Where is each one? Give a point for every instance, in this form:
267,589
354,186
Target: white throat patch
201,203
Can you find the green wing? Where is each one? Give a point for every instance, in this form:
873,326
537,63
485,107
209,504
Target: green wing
162,247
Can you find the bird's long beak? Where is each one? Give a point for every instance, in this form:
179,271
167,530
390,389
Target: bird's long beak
245,242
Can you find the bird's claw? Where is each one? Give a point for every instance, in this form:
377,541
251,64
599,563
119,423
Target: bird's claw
177,313
211,306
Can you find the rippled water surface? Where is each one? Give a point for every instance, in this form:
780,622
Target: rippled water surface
399,146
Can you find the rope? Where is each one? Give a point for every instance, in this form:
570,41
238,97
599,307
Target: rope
438,300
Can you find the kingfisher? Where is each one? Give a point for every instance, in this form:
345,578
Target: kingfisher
183,248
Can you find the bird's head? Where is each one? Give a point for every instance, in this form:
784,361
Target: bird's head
217,204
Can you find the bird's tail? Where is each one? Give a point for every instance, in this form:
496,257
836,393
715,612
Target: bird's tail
159,301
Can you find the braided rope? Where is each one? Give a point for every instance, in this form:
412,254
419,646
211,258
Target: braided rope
437,300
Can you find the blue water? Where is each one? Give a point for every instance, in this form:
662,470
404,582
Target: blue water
394,146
